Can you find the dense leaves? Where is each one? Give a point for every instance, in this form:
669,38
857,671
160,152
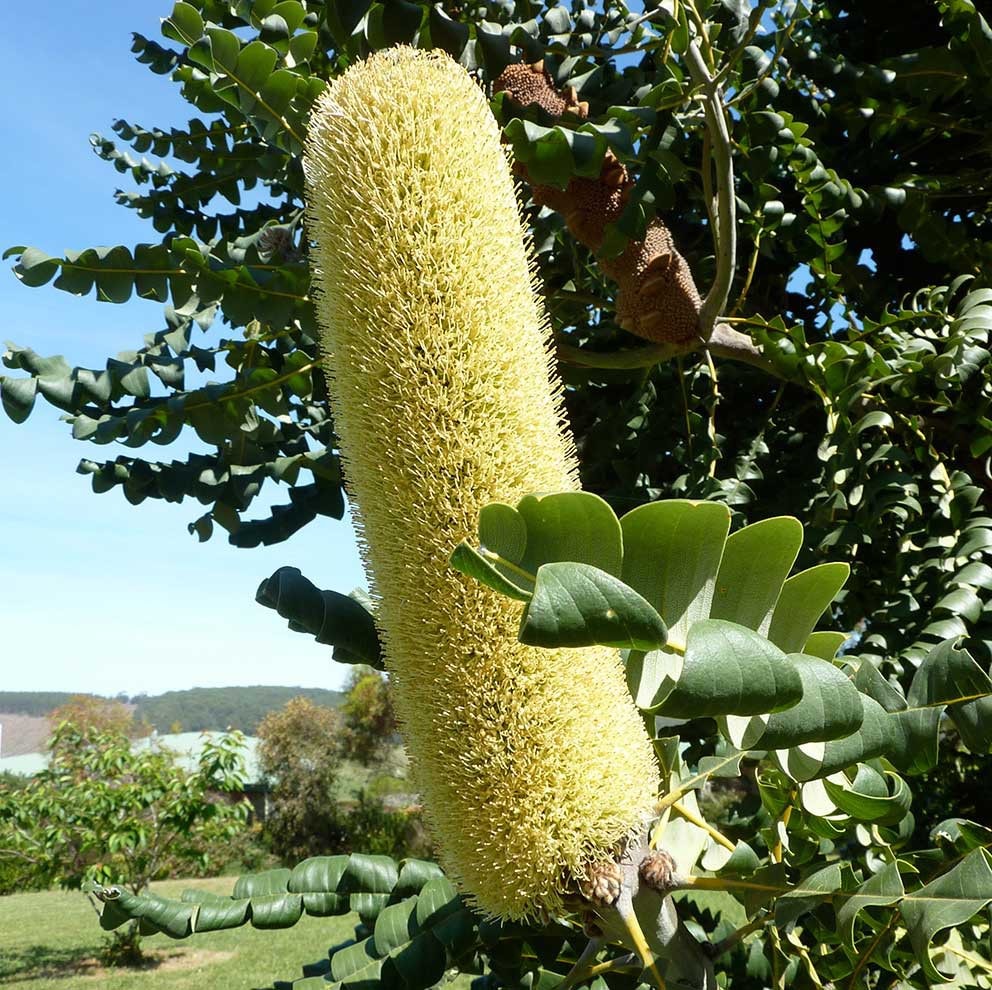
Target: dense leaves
104,810
320,886
859,142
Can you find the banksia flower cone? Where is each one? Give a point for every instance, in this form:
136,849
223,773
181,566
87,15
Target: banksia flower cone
533,764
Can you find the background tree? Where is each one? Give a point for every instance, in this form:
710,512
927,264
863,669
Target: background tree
852,141
369,722
105,812
299,753
99,716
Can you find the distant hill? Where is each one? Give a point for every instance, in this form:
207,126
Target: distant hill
192,710
221,708
32,702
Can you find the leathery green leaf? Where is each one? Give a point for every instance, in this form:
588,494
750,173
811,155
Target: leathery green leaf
809,761
672,553
824,644
830,709
804,598
871,796
950,900
731,670
579,605
651,676
950,676
883,889
570,526
756,561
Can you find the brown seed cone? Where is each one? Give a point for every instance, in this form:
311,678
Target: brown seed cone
657,297
603,883
532,84
657,871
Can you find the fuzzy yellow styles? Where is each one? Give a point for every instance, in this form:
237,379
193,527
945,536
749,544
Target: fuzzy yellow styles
532,763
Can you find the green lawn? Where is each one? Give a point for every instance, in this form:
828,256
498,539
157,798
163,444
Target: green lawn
49,940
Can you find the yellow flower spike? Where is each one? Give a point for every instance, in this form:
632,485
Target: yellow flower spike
532,763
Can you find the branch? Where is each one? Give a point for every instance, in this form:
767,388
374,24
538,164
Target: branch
726,342
641,915
725,231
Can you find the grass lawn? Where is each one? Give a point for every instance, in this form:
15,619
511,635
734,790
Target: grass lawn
49,940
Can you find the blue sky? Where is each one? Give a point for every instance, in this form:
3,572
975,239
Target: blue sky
95,594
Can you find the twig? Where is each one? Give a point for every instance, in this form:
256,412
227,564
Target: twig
778,851
754,23
629,919
726,342
706,173
726,944
628,962
685,407
865,956
631,358
690,816
725,230
711,423
779,48
582,969
752,265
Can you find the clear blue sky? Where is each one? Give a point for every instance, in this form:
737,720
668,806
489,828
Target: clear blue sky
95,594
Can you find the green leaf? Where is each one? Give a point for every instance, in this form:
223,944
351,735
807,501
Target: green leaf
672,553
394,22
503,531
570,526
35,268
554,154
450,35
756,561
357,965
810,893
911,734
276,910
214,914
334,619
558,20
962,835
173,918
830,709
946,678
869,797
184,24
950,676
810,761
651,675
824,644
490,571
883,889
320,886
259,884
18,395
948,901
413,942
579,605
731,670
804,598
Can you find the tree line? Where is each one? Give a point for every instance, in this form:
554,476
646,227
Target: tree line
193,710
